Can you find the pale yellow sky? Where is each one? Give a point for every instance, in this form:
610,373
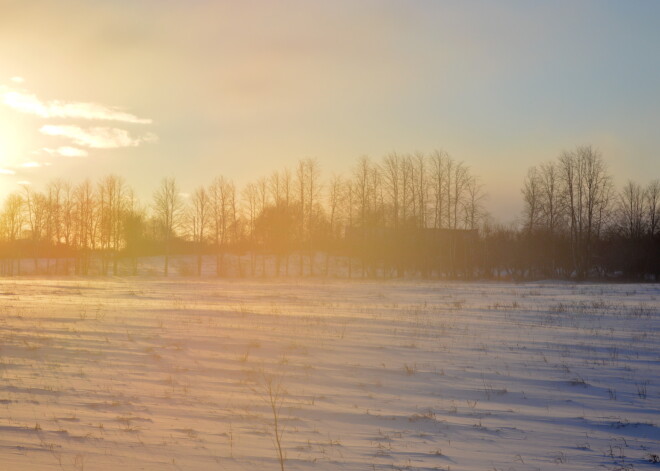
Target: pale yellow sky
195,89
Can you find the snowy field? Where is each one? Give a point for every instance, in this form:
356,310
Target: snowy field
181,374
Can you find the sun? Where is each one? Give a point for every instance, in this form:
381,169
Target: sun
12,144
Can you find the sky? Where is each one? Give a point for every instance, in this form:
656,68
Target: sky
196,89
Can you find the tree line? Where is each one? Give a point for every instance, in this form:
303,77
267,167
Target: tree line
416,214
577,224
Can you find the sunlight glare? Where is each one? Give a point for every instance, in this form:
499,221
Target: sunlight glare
11,142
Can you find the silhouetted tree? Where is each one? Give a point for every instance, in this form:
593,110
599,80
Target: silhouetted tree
168,210
198,220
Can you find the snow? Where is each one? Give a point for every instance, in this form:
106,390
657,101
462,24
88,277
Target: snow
154,374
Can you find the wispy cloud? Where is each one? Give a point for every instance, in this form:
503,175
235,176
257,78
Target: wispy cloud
31,164
84,130
66,151
97,137
31,104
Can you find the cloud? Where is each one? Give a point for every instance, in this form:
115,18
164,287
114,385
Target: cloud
31,164
97,137
66,151
73,138
31,104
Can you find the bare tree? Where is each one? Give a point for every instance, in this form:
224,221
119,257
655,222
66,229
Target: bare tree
407,196
301,190
473,207
631,211
110,201
587,192
315,213
250,196
168,208
36,212
336,193
532,198
438,187
449,172
363,189
85,224
12,226
198,220
652,202
263,194
391,170
220,193
551,207
349,209
133,226
68,219
54,191
308,188
459,185
420,187
377,200
236,226
286,184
